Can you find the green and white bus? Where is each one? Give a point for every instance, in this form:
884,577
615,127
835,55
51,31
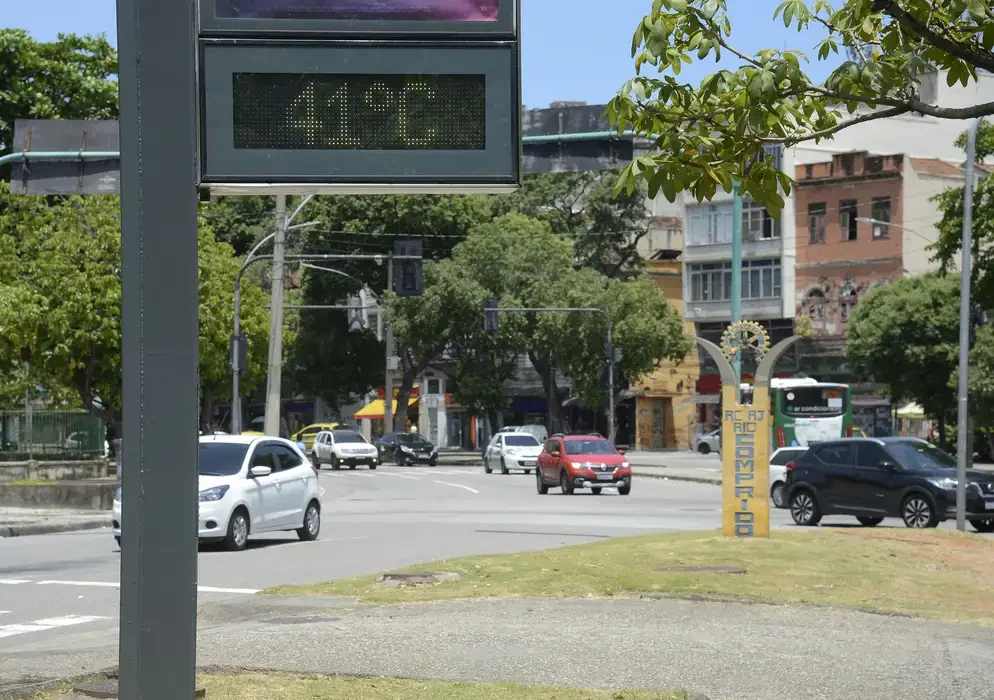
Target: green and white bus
805,410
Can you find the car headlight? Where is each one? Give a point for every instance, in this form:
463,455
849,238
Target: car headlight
214,494
945,483
510,451
117,496
405,449
625,465
976,487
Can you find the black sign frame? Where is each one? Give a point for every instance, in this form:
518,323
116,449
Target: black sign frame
505,27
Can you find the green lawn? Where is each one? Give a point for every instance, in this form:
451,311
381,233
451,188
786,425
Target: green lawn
933,574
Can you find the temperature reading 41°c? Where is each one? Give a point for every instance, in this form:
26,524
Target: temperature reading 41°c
359,112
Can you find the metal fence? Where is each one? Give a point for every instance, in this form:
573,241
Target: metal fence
26,435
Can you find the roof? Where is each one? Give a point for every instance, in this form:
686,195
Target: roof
936,167
236,439
583,437
879,440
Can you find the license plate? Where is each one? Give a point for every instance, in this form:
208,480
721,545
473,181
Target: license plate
989,505
527,463
426,455
605,477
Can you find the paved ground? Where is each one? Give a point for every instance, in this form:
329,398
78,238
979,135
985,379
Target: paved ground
58,598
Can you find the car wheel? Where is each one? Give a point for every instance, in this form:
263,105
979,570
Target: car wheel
433,462
118,540
543,488
804,509
867,521
565,484
704,448
918,512
596,490
351,466
528,471
503,467
312,523
777,494
486,466
335,463
983,525
625,490
372,467
238,531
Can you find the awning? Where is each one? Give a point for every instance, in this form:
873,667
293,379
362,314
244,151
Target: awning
702,399
374,411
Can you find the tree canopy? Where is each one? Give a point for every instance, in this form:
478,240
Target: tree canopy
708,135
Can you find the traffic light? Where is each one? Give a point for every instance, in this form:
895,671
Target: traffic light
978,317
408,275
490,315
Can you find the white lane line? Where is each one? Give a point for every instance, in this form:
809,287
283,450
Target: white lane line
13,581
114,584
212,589
48,624
458,486
401,476
4,612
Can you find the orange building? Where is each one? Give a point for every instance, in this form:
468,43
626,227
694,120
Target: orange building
666,414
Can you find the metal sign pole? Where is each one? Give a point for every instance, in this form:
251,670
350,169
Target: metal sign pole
160,317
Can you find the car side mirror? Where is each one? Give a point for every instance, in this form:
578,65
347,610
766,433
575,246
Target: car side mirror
621,452
256,472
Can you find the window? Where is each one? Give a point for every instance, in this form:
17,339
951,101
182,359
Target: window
552,446
757,224
221,458
835,454
847,219
783,456
590,447
348,436
264,457
288,458
846,306
708,224
880,213
761,279
521,441
434,386
816,223
870,454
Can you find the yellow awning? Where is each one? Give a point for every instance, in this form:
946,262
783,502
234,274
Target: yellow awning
374,411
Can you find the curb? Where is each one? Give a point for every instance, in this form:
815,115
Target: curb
51,528
673,477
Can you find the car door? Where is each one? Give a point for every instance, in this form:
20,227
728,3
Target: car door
837,471
264,493
294,480
494,451
874,487
549,460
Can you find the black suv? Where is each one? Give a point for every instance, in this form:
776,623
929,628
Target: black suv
877,478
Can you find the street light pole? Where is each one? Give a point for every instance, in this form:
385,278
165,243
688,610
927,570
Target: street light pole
274,375
737,272
963,415
388,375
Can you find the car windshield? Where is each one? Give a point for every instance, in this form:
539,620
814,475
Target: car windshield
589,447
921,456
783,456
520,441
347,436
222,458
411,439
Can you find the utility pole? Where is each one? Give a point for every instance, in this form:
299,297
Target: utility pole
963,411
611,429
737,272
275,374
388,375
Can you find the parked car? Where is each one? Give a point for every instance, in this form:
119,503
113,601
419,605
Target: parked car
582,462
343,448
77,442
512,451
407,449
877,478
248,486
307,434
709,442
778,473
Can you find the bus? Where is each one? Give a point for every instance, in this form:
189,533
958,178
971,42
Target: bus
805,410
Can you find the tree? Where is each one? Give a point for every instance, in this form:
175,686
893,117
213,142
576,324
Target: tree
70,78
707,136
60,301
523,263
906,336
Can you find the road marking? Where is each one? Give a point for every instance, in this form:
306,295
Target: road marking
458,486
48,624
13,581
4,612
114,584
401,476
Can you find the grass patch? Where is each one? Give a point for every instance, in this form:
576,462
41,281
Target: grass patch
281,686
932,574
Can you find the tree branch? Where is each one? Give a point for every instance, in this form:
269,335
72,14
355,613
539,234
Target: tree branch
913,105
960,51
871,116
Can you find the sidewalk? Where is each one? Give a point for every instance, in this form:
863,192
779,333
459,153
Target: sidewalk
723,650
15,522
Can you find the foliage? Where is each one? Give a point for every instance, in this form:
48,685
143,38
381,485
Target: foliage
60,300
906,336
605,227
709,135
240,221
521,262
70,78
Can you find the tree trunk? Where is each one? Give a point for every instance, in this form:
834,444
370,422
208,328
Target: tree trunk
942,430
544,368
404,392
493,416
206,406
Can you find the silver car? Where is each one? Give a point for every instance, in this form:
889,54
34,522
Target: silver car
706,443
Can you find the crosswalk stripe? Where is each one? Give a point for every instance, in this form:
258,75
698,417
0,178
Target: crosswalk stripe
48,624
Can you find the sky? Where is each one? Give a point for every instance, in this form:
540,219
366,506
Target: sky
572,49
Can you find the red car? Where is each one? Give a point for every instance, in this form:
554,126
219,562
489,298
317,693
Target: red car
582,462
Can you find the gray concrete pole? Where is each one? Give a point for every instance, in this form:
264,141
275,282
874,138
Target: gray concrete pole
611,431
158,98
963,409
388,374
274,375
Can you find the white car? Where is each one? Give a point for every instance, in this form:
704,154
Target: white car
343,447
512,451
250,485
778,473
706,443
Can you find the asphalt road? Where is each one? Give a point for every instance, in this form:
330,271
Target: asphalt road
59,596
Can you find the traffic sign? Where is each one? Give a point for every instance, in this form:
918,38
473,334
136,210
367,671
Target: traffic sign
82,174
353,96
